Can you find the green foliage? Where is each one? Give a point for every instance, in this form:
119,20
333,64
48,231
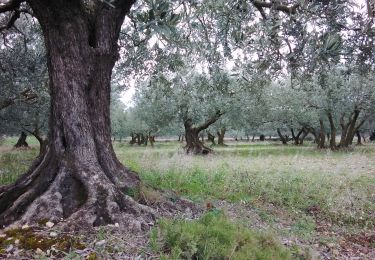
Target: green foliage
213,236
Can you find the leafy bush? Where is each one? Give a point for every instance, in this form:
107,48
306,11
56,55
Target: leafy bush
213,236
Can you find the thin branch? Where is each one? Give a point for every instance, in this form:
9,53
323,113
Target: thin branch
283,8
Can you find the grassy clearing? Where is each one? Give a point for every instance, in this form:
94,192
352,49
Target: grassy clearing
311,190
340,186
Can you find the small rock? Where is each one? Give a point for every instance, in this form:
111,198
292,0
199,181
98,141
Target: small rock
116,224
53,234
2,235
100,243
17,241
50,224
137,226
39,251
25,226
335,252
9,248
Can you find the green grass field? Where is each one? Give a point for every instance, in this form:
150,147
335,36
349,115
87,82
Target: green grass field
307,198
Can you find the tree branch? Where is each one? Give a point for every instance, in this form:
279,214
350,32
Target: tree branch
210,121
283,8
10,5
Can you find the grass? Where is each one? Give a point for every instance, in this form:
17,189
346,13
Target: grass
300,179
213,236
304,184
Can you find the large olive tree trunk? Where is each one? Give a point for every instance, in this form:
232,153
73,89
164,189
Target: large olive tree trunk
79,177
193,143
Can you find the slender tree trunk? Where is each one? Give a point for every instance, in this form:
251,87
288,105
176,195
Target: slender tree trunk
220,136
151,138
253,138
359,139
133,138
79,177
138,137
294,137
21,143
43,142
332,140
322,136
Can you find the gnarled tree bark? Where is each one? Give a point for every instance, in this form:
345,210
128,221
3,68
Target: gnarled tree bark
79,177
193,144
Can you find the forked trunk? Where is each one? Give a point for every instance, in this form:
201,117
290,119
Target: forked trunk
349,128
193,143
284,139
79,177
21,143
